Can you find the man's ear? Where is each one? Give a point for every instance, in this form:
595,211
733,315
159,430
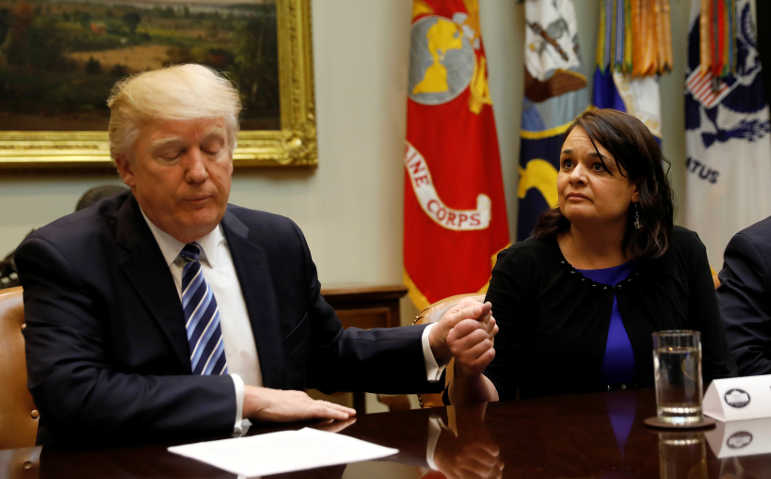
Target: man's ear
125,169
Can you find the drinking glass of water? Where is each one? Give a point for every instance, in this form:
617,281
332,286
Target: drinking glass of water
677,371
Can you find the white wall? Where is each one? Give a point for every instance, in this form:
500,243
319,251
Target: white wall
350,207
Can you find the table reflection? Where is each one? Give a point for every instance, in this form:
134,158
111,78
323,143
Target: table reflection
600,436
465,446
682,454
22,463
747,467
597,436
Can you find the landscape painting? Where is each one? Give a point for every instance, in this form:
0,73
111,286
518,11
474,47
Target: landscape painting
60,58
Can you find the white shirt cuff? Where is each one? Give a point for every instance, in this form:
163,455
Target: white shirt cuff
241,425
433,370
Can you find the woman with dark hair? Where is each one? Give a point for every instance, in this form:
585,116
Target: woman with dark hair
576,303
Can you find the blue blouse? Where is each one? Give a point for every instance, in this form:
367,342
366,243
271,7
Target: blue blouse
618,361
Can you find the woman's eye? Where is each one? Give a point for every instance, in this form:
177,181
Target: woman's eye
598,166
567,163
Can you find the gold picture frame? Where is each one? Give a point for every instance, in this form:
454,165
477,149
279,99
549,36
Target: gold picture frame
294,144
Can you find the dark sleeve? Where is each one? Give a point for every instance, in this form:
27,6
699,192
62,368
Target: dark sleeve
511,294
703,313
384,360
744,305
84,393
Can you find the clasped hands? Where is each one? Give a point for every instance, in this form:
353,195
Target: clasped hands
469,340
465,332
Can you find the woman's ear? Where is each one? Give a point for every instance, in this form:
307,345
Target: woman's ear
635,193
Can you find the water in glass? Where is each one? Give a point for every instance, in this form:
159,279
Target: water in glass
678,383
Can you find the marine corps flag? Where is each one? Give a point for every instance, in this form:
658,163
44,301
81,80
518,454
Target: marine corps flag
454,208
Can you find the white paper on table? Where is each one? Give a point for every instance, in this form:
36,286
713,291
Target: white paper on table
283,451
732,399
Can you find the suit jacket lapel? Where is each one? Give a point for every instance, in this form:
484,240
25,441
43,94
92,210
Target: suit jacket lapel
142,262
257,288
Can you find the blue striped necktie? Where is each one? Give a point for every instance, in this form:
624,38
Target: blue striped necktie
202,316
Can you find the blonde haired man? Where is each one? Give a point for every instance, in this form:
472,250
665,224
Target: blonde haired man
167,311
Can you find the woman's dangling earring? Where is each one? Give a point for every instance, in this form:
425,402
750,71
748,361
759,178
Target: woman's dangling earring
637,224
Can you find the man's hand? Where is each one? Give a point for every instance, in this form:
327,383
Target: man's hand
471,344
278,405
465,332
469,329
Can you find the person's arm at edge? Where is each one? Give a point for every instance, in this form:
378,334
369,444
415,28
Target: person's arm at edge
742,297
705,315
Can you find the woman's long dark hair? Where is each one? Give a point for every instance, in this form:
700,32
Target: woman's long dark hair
638,157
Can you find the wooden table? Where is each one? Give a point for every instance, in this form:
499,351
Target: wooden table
366,307
583,436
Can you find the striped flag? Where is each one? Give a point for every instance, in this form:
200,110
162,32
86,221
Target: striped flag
454,208
706,89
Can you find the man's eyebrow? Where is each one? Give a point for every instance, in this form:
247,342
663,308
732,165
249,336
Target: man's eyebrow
168,141
217,132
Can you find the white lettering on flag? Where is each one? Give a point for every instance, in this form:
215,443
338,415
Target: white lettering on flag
434,207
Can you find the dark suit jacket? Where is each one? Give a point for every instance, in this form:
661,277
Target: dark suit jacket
107,354
744,296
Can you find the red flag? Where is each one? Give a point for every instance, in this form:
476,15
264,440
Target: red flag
454,207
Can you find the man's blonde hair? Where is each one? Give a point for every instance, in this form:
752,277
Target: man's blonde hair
180,92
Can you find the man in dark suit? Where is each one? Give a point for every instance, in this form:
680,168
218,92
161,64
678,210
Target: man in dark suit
744,296
167,311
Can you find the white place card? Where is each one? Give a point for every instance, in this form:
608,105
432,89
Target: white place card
735,399
740,438
283,451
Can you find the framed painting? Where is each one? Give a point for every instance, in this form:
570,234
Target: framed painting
60,58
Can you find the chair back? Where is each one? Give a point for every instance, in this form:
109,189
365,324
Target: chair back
432,314
18,416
